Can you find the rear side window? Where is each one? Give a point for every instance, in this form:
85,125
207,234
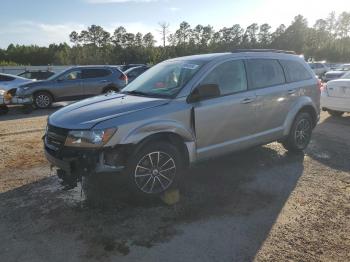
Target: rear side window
4,78
265,73
95,73
229,76
295,71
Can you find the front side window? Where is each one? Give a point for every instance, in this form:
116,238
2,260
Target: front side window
95,73
295,71
72,75
229,76
265,73
165,79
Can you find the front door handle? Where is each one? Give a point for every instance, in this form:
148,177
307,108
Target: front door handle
103,81
291,91
248,100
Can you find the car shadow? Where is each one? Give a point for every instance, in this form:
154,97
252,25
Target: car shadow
246,190
331,141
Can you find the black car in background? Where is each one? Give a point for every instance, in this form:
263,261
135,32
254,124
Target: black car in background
36,74
134,72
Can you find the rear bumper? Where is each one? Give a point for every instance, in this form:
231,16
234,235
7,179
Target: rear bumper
335,103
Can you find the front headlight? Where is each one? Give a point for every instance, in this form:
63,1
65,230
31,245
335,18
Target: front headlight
89,138
2,92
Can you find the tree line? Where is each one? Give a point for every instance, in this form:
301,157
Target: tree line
328,39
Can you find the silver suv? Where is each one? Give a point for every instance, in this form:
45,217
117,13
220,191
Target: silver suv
72,84
183,111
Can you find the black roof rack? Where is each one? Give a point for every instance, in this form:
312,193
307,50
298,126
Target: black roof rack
263,50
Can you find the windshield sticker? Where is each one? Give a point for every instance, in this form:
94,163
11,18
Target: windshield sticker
190,66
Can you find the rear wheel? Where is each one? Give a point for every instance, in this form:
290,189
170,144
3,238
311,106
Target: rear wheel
42,100
154,169
300,133
335,113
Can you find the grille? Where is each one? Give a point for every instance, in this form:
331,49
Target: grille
55,137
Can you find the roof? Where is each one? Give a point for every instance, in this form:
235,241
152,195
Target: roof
259,53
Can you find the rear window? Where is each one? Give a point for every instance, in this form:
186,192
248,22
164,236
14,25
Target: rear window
295,71
4,78
265,73
95,73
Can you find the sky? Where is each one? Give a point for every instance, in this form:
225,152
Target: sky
42,22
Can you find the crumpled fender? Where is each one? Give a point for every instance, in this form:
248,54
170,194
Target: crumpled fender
160,126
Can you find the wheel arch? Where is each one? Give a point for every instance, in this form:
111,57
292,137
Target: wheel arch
304,105
167,137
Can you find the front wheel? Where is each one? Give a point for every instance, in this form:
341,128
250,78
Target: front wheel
154,168
42,100
300,134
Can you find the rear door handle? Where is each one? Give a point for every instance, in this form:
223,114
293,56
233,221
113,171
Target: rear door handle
291,91
103,81
248,100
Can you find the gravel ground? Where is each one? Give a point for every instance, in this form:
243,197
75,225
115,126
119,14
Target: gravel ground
262,204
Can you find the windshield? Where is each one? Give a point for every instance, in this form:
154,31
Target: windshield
57,75
165,79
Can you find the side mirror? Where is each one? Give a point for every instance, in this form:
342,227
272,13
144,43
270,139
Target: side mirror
204,92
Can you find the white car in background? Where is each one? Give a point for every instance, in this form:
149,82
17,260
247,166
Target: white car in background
335,96
319,68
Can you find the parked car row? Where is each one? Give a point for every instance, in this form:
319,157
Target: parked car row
328,72
72,84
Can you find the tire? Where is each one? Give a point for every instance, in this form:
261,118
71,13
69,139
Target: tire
4,110
300,133
42,100
153,169
335,113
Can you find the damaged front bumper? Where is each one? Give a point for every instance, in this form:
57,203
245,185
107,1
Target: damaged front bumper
83,162
8,99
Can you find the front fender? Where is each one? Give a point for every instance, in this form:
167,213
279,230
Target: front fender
301,103
161,126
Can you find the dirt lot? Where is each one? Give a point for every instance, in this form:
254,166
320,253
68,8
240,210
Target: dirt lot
261,204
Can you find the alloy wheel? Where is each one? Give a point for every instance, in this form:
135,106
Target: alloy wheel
302,132
42,101
155,172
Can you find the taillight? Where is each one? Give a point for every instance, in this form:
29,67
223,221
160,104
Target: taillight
320,85
123,77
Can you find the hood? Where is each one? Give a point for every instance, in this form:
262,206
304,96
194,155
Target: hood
35,83
14,84
89,112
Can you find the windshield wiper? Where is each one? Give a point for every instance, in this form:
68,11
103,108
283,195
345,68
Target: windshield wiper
139,93
134,92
